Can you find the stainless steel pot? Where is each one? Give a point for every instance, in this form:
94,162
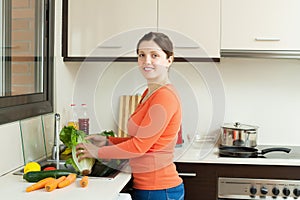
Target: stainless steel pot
238,134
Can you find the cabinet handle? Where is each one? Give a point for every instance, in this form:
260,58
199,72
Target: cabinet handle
187,47
110,47
266,39
187,174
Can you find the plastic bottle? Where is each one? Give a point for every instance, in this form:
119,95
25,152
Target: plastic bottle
73,119
179,138
84,120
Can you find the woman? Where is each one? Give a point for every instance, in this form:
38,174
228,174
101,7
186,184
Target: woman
153,127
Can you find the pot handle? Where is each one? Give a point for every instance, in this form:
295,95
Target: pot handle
251,132
286,150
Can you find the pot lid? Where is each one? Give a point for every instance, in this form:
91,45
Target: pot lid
239,126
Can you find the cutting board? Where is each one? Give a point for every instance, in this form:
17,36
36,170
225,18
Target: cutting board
128,103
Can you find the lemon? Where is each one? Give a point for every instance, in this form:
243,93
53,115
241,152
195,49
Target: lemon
74,124
67,151
32,166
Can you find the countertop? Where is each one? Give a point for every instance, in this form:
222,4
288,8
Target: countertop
13,187
206,152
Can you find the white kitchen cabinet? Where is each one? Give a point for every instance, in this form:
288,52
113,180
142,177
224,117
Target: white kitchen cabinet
193,25
198,20
260,25
91,23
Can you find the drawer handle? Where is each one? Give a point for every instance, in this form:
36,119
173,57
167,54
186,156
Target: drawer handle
187,174
267,39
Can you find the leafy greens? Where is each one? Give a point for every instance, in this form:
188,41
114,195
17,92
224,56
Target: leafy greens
71,137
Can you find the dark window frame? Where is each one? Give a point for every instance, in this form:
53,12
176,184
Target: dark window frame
14,108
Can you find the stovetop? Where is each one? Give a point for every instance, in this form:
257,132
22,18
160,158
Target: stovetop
293,154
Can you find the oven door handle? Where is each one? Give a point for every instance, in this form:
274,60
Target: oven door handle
187,174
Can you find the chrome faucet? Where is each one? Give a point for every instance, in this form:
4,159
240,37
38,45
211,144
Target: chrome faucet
56,148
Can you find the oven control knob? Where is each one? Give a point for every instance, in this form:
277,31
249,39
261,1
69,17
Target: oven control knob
286,191
275,191
296,192
253,190
264,190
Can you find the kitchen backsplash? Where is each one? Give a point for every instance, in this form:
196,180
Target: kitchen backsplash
262,92
32,139
11,147
26,140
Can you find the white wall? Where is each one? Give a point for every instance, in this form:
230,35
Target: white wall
261,92
264,92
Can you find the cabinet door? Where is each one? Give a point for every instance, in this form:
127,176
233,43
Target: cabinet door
260,24
199,181
198,20
92,22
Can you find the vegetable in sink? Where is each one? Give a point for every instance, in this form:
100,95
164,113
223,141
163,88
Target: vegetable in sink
71,137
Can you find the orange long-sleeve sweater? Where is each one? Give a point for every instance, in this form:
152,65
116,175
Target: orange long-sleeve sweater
153,129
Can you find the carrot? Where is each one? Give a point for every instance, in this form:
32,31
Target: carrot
70,179
39,185
50,186
84,181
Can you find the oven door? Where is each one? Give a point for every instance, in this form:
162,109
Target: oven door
235,189
257,189
230,199
239,198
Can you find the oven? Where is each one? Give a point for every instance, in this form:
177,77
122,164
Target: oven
257,189
284,184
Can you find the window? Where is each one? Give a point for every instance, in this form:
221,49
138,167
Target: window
26,64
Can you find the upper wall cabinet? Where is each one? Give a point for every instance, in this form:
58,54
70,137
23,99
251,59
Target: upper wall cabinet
198,20
91,24
264,25
110,29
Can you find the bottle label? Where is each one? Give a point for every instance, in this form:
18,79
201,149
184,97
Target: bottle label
84,125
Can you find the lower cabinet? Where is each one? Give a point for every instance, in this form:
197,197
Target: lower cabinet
201,179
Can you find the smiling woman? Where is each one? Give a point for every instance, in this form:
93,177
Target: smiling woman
26,64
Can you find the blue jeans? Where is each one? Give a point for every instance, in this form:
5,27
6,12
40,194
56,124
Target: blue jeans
174,193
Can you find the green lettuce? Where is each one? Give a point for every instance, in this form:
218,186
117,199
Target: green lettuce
71,137
108,133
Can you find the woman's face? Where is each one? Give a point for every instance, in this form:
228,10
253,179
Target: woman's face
153,62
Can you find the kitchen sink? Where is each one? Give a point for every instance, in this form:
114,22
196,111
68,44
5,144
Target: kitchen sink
108,170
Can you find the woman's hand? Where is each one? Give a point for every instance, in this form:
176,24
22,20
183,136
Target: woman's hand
96,139
86,150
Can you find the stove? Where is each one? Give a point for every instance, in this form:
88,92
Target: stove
267,188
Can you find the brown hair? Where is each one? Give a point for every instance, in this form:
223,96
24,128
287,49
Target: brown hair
162,40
